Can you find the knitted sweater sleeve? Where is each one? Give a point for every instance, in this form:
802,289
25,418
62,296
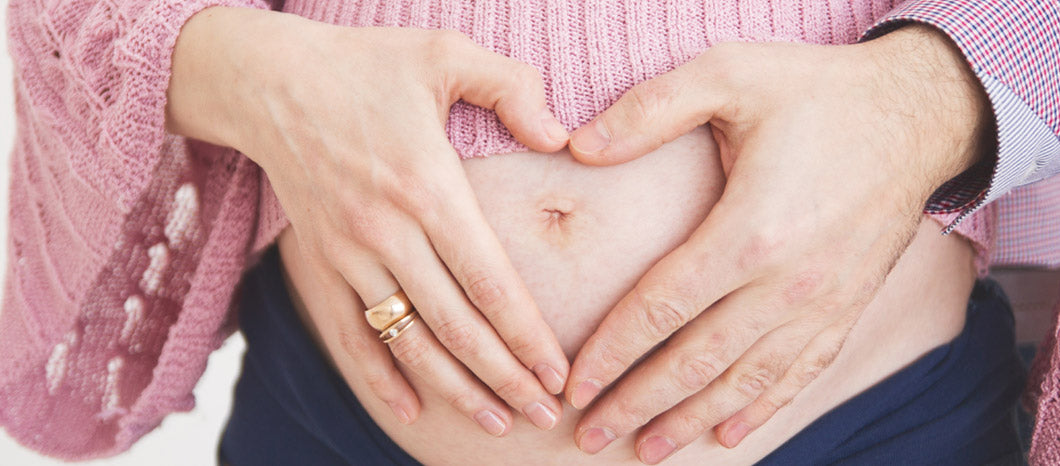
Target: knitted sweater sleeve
1013,48
103,246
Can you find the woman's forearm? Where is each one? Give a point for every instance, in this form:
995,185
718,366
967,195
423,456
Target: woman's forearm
219,62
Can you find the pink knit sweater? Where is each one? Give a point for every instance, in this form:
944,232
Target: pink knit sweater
127,243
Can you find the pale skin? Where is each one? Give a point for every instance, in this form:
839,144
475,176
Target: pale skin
751,307
376,195
830,154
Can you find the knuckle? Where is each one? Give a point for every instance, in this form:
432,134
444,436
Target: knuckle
609,359
772,403
378,383
410,351
443,51
364,224
650,98
414,191
351,343
352,214
486,293
463,400
377,248
416,197
826,308
805,372
868,289
370,238
717,340
759,250
698,370
753,380
804,288
690,424
460,337
662,314
628,416
510,387
523,344
829,354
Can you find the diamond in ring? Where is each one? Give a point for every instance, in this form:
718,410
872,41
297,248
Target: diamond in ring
395,330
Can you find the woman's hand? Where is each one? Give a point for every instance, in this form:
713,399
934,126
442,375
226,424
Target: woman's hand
348,124
830,154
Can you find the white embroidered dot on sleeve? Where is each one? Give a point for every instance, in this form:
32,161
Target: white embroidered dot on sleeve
55,369
182,219
152,277
111,398
134,313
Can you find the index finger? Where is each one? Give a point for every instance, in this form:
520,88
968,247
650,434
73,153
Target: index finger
673,292
477,260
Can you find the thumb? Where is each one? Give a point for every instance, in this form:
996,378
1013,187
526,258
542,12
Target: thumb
508,86
647,116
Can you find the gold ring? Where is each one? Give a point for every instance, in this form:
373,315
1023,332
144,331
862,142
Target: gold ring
395,330
392,309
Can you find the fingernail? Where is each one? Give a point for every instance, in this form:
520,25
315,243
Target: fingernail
592,139
540,415
550,378
735,434
595,439
401,414
553,128
584,393
656,449
490,422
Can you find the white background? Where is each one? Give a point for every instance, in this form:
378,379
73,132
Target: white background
183,439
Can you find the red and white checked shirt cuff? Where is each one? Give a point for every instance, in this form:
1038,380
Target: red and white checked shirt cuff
1013,48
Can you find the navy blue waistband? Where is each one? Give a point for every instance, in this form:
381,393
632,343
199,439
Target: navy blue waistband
952,406
955,405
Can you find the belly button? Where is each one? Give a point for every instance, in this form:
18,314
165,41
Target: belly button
557,212
555,217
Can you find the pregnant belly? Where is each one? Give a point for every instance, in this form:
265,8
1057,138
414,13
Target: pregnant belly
581,237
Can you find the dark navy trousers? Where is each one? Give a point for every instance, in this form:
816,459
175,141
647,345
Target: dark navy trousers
954,405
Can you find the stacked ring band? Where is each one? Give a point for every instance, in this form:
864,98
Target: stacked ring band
395,330
392,316
392,309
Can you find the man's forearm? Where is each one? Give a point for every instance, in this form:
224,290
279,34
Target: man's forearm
926,65
1012,47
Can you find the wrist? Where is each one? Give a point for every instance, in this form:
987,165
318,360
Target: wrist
931,86
215,72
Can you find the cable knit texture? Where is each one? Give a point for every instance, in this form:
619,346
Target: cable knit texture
127,243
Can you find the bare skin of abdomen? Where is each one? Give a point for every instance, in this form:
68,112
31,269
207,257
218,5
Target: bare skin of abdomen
582,236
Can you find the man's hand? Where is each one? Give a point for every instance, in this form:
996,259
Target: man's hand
830,154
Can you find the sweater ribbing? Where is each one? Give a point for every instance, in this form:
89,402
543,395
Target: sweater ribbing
589,53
